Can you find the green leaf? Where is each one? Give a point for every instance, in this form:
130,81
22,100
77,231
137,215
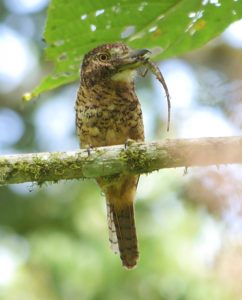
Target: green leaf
171,26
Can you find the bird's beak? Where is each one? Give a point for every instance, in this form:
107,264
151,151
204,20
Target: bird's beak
139,54
134,59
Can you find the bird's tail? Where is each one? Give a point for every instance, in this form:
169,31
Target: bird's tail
122,233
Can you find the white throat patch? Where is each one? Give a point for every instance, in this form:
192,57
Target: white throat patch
126,76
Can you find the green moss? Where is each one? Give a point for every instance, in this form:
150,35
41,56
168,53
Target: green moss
137,159
38,170
100,151
35,171
3,162
5,169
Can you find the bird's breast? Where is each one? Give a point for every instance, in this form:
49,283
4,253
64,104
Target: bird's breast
108,119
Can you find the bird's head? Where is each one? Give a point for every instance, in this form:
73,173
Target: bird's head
114,61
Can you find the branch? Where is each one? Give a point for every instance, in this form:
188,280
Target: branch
137,158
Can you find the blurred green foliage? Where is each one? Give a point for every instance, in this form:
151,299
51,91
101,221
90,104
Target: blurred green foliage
65,227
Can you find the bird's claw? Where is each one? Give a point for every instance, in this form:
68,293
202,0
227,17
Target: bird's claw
128,143
89,148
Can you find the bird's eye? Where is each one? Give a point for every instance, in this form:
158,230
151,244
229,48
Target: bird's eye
103,56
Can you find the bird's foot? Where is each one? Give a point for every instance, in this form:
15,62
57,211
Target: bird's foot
128,143
88,149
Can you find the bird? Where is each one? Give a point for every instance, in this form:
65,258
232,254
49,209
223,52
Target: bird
108,112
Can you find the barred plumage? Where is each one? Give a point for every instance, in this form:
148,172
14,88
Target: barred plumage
108,113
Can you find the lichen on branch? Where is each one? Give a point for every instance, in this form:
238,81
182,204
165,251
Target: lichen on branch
136,158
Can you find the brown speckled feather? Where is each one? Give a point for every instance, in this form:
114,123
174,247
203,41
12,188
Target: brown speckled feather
108,113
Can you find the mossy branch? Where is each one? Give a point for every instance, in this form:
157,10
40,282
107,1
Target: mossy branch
136,158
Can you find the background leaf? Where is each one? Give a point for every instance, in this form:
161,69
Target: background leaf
172,27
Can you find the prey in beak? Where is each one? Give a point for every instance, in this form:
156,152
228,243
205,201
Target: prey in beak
134,59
